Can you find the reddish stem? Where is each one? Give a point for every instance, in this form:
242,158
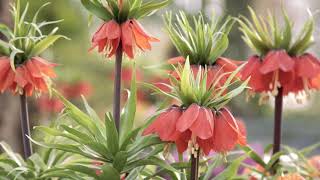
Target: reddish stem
25,126
277,122
194,175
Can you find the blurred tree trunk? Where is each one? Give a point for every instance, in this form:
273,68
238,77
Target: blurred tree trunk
237,48
9,105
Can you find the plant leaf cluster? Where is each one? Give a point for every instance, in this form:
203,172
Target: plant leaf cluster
202,42
123,10
51,164
192,88
26,39
89,136
266,34
291,161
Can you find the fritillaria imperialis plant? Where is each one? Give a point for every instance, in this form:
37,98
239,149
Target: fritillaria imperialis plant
200,123
121,154
22,71
121,33
80,145
282,64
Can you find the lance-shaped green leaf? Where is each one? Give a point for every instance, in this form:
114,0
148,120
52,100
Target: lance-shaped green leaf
112,134
44,44
231,170
202,42
253,155
97,9
109,172
128,115
120,160
267,34
149,8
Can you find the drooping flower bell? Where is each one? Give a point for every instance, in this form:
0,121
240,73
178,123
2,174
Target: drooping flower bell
121,30
29,77
282,62
22,71
203,43
201,122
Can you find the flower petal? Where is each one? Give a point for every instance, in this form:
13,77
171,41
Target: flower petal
188,118
45,67
20,77
33,69
182,141
205,145
8,80
140,29
140,40
203,126
113,30
227,64
307,66
225,137
248,69
277,60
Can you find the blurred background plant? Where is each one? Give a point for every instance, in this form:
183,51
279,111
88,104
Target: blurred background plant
85,75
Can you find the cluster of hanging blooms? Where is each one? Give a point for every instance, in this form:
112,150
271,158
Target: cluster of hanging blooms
28,77
282,63
21,68
201,122
121,30
191,40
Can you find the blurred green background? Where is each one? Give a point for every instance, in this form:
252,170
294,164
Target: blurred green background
79,66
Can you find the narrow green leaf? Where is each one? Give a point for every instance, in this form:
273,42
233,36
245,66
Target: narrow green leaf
6,31
109,173
231,170
149,8
253,155
112,134
44,44
150,161
120,160
97,9
127,118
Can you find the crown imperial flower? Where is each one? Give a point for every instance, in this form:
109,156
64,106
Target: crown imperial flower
120,29
282,62
21,68
29,77
201,122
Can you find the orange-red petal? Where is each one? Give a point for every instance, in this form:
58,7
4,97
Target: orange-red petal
203,125
277,60
307,66
188,118
225,136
